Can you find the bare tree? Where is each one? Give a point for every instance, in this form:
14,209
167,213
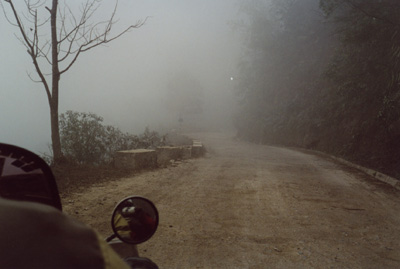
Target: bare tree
53,55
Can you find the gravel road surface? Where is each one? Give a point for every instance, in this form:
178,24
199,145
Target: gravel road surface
253,206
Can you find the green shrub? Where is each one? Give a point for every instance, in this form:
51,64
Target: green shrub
85,140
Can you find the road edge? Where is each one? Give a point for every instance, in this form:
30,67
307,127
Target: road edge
394,182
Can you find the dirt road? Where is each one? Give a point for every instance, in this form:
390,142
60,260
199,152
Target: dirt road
252,206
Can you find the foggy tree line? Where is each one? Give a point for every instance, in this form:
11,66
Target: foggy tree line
323,74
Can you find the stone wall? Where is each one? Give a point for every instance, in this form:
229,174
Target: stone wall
166,154
138,159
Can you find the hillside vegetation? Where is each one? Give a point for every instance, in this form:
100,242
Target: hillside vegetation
323,75
86,140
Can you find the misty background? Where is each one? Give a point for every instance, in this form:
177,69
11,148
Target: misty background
316,74
126,81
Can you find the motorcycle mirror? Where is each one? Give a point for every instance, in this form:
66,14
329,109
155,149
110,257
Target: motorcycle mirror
135,220
24,176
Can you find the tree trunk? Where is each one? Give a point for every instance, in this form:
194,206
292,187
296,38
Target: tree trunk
55,134
55,131
80,38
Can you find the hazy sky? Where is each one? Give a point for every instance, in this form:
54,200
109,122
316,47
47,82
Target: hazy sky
125,82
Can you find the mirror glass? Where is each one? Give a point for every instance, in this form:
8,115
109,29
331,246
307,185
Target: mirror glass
135,220
24,176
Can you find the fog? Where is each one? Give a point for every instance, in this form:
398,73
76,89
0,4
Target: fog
126,81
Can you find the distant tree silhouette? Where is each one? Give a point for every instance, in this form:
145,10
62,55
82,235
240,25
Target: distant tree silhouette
69,36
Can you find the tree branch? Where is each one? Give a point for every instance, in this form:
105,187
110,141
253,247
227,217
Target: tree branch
95,39
31,47
30,77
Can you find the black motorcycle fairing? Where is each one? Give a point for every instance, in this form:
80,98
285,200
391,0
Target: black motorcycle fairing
141,262
24,176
